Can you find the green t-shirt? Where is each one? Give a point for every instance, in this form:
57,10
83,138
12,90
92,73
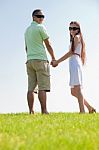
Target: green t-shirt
34,36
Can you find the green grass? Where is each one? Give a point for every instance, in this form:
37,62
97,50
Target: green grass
57,131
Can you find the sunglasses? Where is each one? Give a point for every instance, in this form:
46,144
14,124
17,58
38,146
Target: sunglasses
40,16
73,28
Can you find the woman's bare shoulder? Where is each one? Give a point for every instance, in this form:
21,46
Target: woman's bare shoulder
77,39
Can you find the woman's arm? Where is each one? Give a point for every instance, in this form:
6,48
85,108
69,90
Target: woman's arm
64,57
68,54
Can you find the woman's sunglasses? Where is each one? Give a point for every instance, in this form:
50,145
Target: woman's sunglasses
74,28
40,16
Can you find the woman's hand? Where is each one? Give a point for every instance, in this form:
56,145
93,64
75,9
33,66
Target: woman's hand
54,63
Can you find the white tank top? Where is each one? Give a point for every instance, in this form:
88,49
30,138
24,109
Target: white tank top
78,49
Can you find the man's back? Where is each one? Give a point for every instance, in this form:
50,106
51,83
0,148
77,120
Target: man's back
34,36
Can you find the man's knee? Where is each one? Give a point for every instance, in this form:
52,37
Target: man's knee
30,93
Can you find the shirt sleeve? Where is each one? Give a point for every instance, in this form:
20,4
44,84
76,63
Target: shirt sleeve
25,41
43,32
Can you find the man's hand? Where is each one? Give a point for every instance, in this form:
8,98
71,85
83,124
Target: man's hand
54,63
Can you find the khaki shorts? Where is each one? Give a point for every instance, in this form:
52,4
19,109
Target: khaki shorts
38,74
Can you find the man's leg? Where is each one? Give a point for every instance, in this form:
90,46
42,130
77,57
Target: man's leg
31,85
30,99
42,99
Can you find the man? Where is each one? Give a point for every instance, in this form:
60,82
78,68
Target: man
37,62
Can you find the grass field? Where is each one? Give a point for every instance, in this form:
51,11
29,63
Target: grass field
57,131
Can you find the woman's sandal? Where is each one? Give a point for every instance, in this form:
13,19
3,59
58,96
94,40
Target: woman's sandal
92,110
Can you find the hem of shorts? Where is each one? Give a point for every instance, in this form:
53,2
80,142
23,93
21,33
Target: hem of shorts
40,90
44,90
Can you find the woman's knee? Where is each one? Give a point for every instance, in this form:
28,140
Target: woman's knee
73,93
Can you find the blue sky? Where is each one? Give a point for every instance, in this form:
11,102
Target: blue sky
15,16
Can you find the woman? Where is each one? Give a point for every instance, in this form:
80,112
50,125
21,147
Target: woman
76,57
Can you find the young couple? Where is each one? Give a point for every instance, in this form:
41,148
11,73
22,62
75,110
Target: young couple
38,66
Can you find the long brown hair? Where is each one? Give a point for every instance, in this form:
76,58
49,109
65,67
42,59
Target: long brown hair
83,53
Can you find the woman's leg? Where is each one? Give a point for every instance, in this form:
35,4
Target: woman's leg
76,91
89,107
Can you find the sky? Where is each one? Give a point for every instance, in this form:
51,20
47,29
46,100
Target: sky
15,17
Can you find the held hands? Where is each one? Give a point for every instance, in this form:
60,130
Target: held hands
54,63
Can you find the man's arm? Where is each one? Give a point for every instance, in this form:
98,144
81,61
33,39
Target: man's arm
49,48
